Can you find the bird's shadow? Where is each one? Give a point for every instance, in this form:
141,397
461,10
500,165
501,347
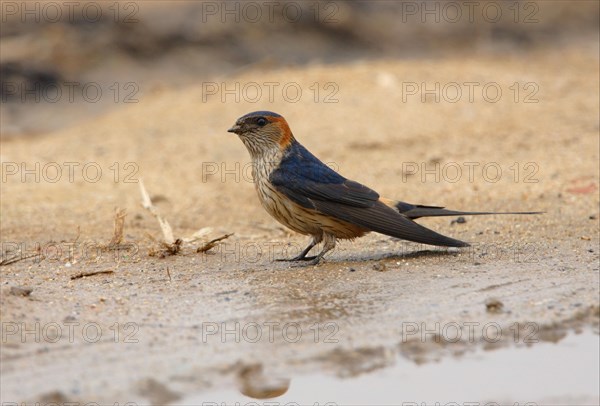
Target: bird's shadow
391,256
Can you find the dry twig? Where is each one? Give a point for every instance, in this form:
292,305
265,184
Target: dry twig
84,274
212,243
164,224
16,258
171,245
117,237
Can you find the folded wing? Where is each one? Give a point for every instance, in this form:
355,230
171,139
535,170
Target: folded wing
313,185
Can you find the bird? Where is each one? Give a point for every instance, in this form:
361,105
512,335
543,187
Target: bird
310,198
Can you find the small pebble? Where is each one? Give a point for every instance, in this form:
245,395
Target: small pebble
494,305
459,220
20,291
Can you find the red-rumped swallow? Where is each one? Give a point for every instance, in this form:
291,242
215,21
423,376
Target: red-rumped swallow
304,194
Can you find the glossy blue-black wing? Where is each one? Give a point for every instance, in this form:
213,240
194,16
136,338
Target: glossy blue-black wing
303,178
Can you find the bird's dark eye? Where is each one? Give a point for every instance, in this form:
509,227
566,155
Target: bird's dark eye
261,121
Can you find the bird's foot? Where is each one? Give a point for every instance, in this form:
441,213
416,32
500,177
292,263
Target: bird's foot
297,259
309,261
314,261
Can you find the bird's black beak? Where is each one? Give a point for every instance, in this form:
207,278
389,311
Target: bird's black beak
235,129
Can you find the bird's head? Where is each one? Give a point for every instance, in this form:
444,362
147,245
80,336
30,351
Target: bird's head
263,132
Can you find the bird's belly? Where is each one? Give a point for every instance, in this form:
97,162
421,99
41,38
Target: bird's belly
302,220
287,212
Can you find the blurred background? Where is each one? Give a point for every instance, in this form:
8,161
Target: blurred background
56,56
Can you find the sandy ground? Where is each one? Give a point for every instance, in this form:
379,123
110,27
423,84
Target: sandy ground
152,330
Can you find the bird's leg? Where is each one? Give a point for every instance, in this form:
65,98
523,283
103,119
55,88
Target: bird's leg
328,245
302,256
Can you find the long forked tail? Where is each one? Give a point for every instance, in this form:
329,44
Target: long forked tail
414,211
